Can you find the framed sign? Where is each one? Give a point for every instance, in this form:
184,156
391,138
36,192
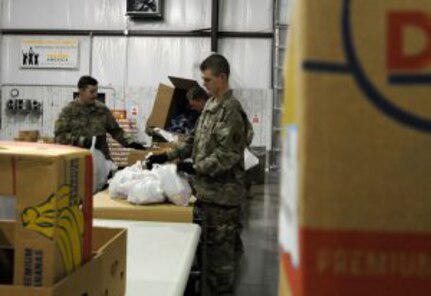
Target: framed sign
49,53
145,8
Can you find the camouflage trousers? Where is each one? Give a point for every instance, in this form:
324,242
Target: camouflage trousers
220,241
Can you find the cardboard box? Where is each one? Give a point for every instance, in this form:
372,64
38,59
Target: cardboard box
169,102
52,185
119,114
28,136
108,208
104,274
356,209
48,140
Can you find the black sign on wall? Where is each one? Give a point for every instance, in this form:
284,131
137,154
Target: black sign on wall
145,8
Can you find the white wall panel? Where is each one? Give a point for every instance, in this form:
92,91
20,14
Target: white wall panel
250,61
151,60
109,58
11,58
246,15
64,14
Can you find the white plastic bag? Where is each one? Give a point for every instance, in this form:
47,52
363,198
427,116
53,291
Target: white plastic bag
250,160
168,136
147,191
175,187
123,181
100,167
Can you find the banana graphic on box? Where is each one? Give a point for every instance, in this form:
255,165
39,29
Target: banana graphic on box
59,220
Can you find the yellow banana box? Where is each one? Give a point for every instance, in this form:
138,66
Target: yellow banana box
104,274
355,210
51,185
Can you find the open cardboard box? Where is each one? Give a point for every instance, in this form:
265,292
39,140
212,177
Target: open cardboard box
170,101
104,274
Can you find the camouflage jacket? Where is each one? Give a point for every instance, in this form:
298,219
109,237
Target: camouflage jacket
78,123
217,149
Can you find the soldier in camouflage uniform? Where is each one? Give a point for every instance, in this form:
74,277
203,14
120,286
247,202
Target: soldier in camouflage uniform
86,117
217,150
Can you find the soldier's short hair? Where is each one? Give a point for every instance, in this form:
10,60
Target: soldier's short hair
85,81
217,63
197,93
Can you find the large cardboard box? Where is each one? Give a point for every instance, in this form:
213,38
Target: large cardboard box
169,102
104,274
52,186
356,193
108,208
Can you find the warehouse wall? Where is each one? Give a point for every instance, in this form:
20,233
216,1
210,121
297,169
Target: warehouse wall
134,66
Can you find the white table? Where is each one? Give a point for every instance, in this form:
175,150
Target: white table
159,256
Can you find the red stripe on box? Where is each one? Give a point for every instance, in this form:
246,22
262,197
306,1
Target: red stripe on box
88,208
358,263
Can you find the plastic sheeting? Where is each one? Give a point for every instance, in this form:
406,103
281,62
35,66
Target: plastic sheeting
151,60
109,57
11,58
102,15
250,61
246,15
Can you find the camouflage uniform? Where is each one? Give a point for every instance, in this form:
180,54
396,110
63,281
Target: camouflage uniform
78,123
217,149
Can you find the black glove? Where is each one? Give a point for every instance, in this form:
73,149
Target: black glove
186,167
135,145
156,158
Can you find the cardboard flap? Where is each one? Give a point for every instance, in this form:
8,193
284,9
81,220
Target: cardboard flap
182,83
161,107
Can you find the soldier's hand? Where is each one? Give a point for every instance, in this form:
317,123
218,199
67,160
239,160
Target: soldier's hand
156,158
135,145
186,167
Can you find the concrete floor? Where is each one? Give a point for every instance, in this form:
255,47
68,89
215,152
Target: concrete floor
259,266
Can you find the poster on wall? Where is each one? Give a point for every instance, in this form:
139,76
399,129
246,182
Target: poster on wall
49,53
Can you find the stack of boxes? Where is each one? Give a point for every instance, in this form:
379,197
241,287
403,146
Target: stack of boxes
119,153
52,235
